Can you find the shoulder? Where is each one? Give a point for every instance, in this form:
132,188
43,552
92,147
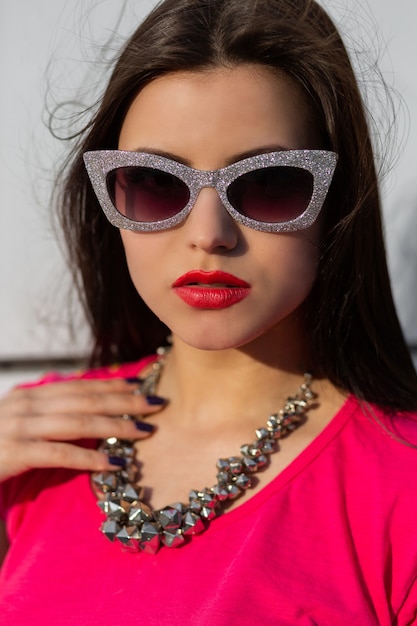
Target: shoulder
399,427
116,370
25,487
382,446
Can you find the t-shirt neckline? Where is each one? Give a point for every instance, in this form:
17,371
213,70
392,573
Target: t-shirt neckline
296,467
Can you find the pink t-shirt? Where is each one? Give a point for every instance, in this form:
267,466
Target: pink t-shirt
331,541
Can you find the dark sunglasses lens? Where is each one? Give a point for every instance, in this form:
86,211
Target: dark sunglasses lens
273,194
143,194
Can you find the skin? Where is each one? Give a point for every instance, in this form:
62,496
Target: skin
244,360
184,115
39,425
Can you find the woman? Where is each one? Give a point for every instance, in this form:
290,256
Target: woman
231,157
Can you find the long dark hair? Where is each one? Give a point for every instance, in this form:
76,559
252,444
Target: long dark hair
350,316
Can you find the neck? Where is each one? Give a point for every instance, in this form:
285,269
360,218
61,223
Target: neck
249,381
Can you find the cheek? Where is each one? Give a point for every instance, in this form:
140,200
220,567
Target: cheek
291,269
308,249
307,261
296,255
139,258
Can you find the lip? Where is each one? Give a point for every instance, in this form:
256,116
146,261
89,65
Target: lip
216,277
211,290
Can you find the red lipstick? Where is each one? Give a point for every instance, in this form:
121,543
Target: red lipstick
210,290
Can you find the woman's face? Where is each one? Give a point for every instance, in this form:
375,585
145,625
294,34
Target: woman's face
207,120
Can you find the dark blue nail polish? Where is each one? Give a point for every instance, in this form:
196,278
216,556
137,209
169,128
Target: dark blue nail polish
134,380
117,460
155,400
144,427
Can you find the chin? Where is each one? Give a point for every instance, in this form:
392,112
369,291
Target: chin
210,344
220,339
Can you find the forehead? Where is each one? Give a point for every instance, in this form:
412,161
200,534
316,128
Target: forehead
227,110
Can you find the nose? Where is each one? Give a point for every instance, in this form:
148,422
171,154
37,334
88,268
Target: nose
209,226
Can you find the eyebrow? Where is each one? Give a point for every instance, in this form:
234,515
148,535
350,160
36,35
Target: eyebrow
232,159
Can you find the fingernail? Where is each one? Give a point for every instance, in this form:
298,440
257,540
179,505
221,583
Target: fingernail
117,460
144,427
155,400
133,380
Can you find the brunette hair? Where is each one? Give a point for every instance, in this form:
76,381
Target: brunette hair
350,317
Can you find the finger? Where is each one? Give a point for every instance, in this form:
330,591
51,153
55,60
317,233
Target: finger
78,385
70,427
29,402
41,454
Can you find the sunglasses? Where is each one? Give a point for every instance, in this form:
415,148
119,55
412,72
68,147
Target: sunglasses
273,192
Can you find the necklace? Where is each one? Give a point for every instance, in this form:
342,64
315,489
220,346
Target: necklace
139,528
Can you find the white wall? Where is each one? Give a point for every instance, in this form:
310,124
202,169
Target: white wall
65,34
389,26
46,50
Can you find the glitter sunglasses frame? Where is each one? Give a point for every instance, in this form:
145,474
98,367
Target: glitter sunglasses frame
320,163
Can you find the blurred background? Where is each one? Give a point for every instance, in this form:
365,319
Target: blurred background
59,52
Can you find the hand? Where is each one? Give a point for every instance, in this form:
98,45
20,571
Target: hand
38,424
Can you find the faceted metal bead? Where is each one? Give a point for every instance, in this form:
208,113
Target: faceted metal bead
104,506
278,432
220,491
179,506
140,513
223,465
130,494
250,464
234,491
126,506
262,433
105,481
193,524
152,546
245,449
113,510
268,447
170,518
299,406
130,537
110,528
195,501
195,506
255,449
172,538
114,450
208,513
207,498
150,538
235,465
274,421
128,451
243,482
262,461
222,478
208,504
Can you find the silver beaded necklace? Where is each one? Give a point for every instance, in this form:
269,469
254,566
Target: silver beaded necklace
139,528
